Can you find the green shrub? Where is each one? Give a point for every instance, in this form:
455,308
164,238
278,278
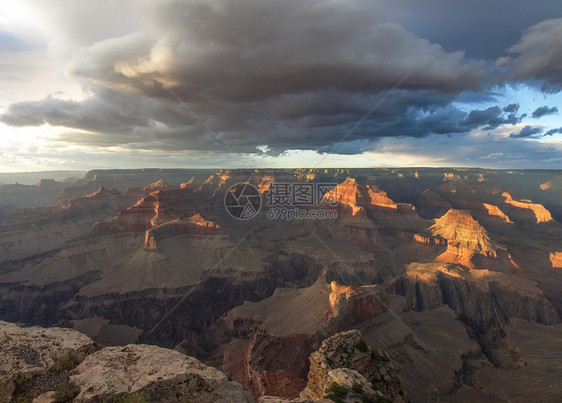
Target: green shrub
336,393
357,388
132,398
362,346
66,393
64,362
370,398
69,361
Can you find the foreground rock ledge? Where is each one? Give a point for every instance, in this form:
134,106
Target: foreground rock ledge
34,350
159,374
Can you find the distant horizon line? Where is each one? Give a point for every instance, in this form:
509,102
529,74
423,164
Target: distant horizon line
268,168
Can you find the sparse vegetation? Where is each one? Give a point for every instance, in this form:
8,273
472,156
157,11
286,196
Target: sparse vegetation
19,399
357,388
66,393
370,398
68,361
19,378
365,396
135,397
64,362
362,346
336,393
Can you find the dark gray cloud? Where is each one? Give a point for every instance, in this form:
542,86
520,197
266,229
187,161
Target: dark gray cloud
313,121
286,75
485,29
511,108
538,55
527,132
553,131
491,117
248,51
543,111
91,114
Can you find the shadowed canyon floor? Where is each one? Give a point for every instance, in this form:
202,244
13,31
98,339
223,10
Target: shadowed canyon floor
453,277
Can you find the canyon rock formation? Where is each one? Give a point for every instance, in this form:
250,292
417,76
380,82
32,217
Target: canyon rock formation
443,270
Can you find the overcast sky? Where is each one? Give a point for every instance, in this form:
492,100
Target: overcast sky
291,83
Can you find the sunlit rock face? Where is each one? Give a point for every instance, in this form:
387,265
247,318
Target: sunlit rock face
465,237
541,214
158,207
193,226
495,211
556,259
364,197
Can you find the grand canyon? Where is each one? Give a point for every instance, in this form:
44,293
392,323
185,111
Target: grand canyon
430,284
258,201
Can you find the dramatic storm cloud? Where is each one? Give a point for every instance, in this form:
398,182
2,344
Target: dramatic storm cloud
271,77
538,55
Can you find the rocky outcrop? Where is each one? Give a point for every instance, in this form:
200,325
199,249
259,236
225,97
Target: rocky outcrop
541,214
468,243
495,211
345,359
191,226
556,259
102,198
25,352
356,304
430,240
265,183
484,299
291,324
158,185
306,310
367,206
271,365
459,228
157,374
450,176
158,207
367,197
545,186
216,184
33,360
